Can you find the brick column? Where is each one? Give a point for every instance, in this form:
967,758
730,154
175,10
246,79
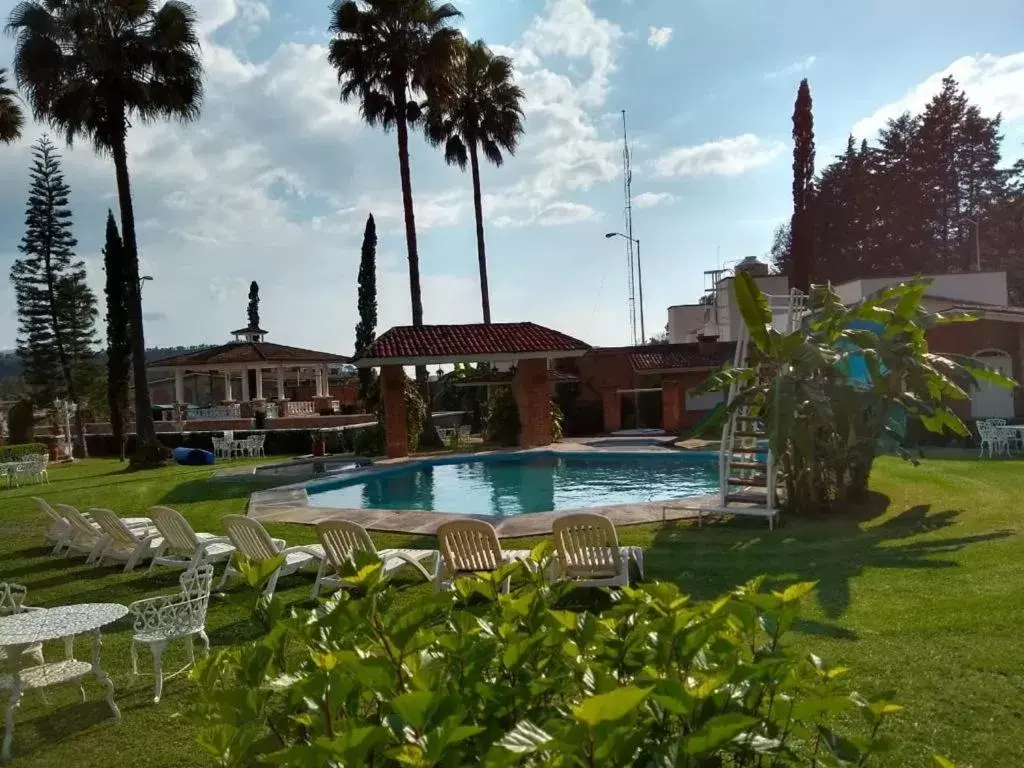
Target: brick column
530,390
671,405
612,410
322,403
392,384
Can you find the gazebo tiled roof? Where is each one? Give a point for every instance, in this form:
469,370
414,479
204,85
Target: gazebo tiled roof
429,344
674,357
247,352
486,378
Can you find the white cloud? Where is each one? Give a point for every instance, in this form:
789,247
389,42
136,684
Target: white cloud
658,37
651,199
994,83
794,68
560,214
724,157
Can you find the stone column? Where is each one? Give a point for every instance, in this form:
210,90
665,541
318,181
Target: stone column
245,385
671,405
530,389
612,403
179,385
259,383
280,383
392,384
227,387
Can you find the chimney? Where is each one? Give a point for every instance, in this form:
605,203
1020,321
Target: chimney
707,345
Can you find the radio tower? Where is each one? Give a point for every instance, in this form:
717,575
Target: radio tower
627,176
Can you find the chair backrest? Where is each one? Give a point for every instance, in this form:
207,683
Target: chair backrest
249,537
342,539
50,512
229,434
114,527
469,545
179,614
77,521
177,533
12,598
587,545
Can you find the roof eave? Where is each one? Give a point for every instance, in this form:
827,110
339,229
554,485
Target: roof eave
483,357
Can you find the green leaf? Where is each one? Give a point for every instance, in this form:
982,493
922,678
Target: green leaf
943,762
524,738
716,732
414,707
756,313
795,592
615,705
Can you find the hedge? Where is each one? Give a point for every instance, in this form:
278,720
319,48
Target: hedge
17,451
280,442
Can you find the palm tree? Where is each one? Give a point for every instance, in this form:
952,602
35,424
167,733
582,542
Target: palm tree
482,111
88,67
387,52
11,118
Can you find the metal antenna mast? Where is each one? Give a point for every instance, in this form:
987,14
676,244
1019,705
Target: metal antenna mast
627,175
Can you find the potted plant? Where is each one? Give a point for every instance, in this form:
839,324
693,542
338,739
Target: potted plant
317,437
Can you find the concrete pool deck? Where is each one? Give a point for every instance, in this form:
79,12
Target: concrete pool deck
290,503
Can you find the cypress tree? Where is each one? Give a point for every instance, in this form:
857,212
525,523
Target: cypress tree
367,324
254,305
119,343
56,309
801,227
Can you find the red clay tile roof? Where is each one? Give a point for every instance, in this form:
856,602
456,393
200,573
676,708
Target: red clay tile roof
247,352
670,357
441,343
555,376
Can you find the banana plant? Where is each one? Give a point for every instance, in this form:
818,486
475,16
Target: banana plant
840,388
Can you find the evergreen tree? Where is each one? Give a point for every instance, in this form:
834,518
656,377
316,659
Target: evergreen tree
802,259
119,343
254,305
367,325
56,308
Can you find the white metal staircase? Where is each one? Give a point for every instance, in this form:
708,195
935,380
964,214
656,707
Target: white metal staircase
746,464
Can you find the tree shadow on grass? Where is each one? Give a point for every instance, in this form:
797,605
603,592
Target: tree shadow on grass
198,490
832,550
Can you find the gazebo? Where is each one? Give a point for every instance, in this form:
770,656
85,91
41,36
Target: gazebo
249,354
527,346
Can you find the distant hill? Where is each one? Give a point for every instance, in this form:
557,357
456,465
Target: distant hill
10,364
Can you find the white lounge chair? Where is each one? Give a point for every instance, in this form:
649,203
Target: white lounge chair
472,546
184,548
341,540
252,540
587,552
159,620
131,546
57,533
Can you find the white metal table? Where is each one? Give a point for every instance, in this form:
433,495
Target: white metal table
25,629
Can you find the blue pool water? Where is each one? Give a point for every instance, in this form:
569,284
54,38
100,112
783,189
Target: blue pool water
516,485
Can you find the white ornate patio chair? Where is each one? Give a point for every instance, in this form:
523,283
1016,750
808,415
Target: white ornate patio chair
12,601
130,546
58,531
587,552
341,540
160,620
252,541
220,449
994,439
182,546
472,546
256,443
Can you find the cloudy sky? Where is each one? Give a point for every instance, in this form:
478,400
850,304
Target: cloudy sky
274,182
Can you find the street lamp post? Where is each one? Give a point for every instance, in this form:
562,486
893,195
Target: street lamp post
977,242
640,279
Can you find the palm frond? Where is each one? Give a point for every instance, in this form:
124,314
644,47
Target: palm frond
11,117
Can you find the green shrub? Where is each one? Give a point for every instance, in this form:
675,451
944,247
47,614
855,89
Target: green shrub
21,422
557,422
369,442
501,417
415,413
15,452
473,677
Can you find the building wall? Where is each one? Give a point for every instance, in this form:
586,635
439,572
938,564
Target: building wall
981,287
723,320
974,337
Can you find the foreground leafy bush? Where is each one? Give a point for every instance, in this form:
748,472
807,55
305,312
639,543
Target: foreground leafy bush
473,678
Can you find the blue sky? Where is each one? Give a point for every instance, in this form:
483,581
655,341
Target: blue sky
275,181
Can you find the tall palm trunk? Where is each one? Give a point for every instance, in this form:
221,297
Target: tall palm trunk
481,254
429,436
145,429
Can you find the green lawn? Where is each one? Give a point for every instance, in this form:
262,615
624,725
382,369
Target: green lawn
921,591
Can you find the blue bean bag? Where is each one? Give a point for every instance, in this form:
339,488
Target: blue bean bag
194,457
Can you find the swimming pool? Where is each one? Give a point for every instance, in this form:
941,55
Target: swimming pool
502,486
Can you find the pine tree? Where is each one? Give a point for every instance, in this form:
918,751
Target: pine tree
56,309
802,226
367,324
254,305
119,343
